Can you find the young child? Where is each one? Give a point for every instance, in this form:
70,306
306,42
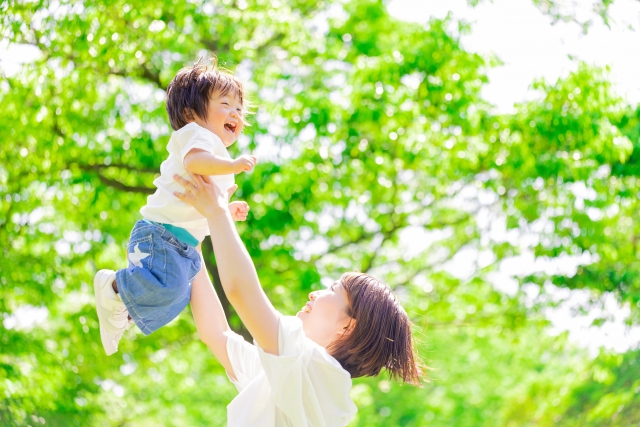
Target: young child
206,107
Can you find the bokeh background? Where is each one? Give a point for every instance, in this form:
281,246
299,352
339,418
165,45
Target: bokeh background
381,150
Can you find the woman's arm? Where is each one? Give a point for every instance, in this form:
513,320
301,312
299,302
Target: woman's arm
237,272
209,316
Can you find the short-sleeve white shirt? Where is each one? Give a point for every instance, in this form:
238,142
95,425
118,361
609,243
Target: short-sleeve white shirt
304,386
162,206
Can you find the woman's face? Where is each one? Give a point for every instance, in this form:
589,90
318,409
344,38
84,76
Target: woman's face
324,317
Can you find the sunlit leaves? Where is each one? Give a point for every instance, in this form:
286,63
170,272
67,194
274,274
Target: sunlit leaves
376,152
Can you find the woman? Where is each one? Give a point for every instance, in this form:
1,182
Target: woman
299,371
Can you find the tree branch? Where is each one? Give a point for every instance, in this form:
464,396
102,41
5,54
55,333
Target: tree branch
430,266
116,184
123,187
7,216
146,74
372,258
119,166
152,77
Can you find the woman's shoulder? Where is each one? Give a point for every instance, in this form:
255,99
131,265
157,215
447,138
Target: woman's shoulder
293,339
307,370
320,354
331,384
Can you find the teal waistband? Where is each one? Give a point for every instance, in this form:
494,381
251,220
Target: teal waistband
179,232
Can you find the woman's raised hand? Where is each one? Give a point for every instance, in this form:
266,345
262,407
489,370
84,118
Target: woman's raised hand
204,195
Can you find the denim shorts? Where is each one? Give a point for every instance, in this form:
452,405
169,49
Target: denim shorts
156,286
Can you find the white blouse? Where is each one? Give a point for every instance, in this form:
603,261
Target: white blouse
302,387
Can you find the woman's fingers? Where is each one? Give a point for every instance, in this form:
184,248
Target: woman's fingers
180,196
202,193
194,180
195,183
186,184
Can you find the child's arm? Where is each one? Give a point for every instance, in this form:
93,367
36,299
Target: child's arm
209,316
202,162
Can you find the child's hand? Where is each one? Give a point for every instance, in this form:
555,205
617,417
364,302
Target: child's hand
239,210
244,163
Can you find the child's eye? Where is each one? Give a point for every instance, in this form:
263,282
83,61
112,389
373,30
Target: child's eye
225,103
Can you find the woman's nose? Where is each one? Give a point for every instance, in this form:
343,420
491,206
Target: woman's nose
312,295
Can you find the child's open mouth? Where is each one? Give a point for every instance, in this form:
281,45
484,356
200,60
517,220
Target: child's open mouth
231,127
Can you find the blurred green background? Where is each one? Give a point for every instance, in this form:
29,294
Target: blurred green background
378,153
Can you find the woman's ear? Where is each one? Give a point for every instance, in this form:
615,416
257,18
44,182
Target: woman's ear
348,325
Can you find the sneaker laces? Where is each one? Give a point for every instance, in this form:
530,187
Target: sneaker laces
121,314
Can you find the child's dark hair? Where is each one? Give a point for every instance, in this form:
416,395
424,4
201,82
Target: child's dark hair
191,89
381,336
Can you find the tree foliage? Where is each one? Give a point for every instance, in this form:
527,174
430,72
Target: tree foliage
377,153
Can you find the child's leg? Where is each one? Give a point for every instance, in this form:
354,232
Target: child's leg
156,286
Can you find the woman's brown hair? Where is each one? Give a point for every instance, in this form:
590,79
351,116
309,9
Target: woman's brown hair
381,336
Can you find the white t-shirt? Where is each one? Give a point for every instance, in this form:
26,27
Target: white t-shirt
302,387
162,206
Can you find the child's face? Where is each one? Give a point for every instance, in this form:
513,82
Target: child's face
224,118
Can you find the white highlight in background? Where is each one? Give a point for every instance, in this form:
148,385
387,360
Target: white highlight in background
531,47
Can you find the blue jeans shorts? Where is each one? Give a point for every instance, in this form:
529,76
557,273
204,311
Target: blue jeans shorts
156,286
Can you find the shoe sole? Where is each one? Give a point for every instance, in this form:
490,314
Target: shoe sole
100,280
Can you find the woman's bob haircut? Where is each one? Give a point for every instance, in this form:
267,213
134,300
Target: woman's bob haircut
381,336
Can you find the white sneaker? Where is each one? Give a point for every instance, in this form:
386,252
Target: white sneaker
112,313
